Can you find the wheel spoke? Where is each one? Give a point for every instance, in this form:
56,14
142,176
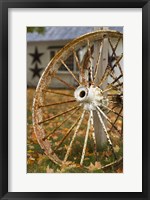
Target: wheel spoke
107,135
64,82
86,139
114,48
109,70
73,138
116,118
59,93
62,113
114,95
113,164
111,110
67,134
105,75
112,87
118,60
98,60
93,136
107,118
77,60
116,79
79,66
65,120
114,52
114,102
57,103
117,43
91,66
70,71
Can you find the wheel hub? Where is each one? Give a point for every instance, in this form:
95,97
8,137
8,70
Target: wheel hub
89,97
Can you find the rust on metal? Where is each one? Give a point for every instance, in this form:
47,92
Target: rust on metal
50,72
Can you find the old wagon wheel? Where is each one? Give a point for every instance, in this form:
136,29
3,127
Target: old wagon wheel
67,124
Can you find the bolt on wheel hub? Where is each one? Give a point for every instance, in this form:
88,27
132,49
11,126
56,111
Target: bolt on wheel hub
90,97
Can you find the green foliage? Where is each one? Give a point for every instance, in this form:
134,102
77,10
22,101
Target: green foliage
40,30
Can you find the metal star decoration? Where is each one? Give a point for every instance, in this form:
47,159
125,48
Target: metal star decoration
36,56
36,71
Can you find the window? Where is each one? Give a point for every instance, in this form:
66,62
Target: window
52,54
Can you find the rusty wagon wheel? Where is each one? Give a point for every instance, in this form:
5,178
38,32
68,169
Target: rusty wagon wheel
67,125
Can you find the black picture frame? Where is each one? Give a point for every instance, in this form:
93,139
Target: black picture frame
4,95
